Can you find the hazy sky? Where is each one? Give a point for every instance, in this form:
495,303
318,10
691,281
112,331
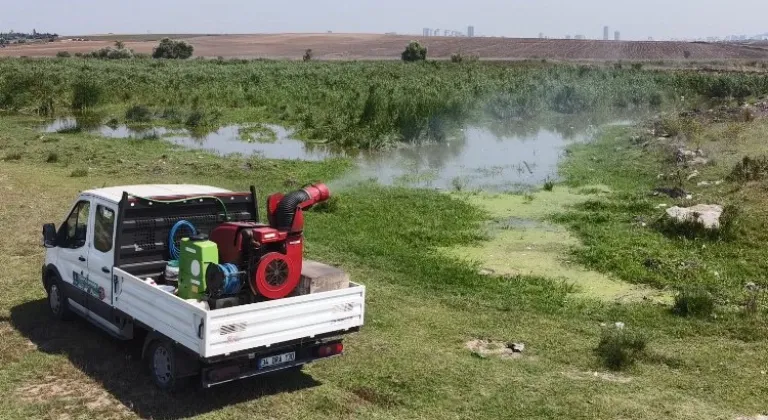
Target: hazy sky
636,19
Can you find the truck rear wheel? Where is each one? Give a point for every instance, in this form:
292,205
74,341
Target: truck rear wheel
162,364
57,299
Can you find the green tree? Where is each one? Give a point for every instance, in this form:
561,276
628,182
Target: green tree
414,52
308,55
119,45
169,48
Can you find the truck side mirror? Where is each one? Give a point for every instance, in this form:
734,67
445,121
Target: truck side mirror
49,235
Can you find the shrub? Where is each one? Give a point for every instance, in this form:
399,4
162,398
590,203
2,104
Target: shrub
63,54
195,119
78,54
53,157
79,173
86,93
118,52
749,169
12,156
637,66
620,348
308,55
687,54
173,49
414,52
201,118
457,58
694,301
549,185
138,113
656,99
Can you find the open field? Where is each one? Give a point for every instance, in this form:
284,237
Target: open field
563,269
374,46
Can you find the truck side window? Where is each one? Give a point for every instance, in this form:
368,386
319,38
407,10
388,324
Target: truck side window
103,229
73,232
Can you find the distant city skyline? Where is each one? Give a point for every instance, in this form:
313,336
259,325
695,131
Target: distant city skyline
660,19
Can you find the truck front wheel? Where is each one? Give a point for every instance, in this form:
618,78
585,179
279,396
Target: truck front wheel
57,300
162,364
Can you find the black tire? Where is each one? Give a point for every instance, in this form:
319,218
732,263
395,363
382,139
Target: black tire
161,359
58,303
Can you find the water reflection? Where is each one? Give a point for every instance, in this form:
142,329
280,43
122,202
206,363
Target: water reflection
501,154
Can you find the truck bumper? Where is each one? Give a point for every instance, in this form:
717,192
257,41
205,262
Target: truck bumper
248,366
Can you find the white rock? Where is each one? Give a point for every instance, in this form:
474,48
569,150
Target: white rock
708,215
620,325
661,206
698,161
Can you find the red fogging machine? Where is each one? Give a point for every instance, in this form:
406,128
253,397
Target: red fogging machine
271,255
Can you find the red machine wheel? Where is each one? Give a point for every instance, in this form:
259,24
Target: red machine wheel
275,277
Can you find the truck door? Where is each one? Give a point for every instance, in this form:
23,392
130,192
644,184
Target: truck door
100,261
72,241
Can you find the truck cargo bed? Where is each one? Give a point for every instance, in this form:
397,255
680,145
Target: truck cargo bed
212,333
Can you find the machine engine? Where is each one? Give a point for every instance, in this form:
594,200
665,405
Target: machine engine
270,255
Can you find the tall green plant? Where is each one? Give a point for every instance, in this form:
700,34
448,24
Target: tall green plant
86,93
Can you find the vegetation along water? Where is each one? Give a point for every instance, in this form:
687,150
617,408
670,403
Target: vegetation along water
622,314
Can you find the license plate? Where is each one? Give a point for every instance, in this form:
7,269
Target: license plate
277,359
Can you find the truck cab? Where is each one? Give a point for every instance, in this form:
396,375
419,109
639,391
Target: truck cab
105,262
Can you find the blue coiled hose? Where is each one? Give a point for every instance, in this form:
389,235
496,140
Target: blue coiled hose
232,284
172,247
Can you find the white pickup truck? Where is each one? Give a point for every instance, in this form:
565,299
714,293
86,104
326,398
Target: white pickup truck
115,238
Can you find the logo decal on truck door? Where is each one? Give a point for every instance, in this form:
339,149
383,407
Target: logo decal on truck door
83,283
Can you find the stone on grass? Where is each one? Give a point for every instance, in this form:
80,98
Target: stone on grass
708,215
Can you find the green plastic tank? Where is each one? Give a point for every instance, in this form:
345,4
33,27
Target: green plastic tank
194,258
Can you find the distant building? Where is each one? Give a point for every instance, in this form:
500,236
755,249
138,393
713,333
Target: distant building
470,31
541,35
425,32
606,33
617,36
567,37
580,37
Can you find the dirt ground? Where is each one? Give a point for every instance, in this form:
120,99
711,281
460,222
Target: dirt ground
376,46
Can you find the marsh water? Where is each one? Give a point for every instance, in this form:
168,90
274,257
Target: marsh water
489,156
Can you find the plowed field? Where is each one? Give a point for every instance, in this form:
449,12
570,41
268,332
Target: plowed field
373,46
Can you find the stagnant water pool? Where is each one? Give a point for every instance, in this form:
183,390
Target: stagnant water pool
485,157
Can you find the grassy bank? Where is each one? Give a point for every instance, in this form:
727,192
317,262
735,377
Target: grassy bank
625,233
357,104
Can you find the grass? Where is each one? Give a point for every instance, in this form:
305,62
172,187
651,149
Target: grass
415,250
